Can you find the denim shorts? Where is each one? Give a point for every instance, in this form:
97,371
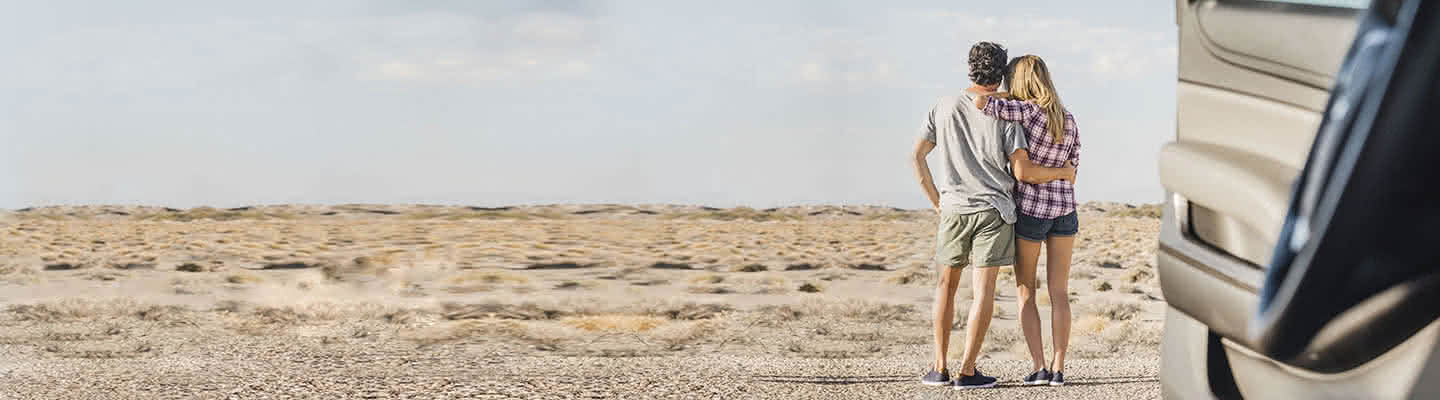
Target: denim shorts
1039,229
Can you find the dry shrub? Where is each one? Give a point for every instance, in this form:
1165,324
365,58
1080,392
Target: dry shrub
1143,211
1101,285
872,311
678,336
409,316
772,316
810,288
912,275
1116,311
685,311
1138,275
709,290
614,323
752,268
169,315
19,274
487,277
70,309
1118,335
241,278
707,279
191,267
526,311
1092,324
545,339
1002,339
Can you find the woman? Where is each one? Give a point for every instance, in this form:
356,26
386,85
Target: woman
1047,211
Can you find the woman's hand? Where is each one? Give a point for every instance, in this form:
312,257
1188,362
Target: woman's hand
1074,172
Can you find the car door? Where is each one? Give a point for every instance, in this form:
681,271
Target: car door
1255,80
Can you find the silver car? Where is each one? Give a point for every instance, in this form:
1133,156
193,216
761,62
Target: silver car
1300,250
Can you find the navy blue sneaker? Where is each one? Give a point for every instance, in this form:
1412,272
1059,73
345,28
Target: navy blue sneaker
976,381
1058,379
936,378
1040,377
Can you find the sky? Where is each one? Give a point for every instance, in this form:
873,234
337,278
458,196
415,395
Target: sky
752,103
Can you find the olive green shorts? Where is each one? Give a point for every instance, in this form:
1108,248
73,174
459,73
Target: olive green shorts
980,239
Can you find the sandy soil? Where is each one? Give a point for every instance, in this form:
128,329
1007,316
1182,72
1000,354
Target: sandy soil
370,301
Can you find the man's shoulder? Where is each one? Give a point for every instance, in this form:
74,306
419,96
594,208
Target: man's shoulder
947,101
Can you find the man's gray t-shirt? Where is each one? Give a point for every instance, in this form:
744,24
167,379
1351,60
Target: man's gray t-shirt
975,169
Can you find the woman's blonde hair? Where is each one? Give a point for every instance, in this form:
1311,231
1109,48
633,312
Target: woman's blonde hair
1029,80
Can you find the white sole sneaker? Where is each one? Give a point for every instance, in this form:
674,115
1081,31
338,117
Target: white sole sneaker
923,382
1057,383
1037,383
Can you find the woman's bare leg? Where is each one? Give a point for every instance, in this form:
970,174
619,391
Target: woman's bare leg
1028,255
1057,273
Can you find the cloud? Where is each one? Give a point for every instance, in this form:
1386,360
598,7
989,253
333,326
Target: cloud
527,47
425,47
1108,52
865,55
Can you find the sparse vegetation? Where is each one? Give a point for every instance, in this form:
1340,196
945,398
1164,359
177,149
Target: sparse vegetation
1142,211
614,323
1101,285
242,278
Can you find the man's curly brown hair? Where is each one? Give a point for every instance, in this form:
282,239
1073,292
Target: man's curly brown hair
987,63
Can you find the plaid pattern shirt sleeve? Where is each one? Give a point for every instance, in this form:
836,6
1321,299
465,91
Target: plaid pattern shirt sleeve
1011,110
1074,132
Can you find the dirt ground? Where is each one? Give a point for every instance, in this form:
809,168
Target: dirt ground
562,301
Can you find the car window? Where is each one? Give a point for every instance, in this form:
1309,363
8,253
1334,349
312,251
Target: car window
1357,4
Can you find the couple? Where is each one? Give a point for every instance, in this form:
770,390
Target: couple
999,150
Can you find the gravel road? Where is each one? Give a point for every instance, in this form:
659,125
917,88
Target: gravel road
274,369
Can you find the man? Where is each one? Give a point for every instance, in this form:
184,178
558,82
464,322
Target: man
982,158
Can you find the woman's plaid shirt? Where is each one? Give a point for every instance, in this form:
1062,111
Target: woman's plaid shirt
1046,200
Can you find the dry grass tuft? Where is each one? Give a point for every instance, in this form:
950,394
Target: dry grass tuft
1143,211
170,315
614,323
752,268
1116,311
871,311
737,213
1101,285
810,288
52,312
678,336
709,290
1092,324
488,277
408,316
1139,275
242,278
911,275
707,279
192,267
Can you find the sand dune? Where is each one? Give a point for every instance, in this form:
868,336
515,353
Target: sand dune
115,284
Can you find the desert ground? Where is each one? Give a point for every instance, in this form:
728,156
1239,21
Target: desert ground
533,302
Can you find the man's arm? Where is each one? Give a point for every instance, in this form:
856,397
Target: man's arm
1028,172
983,98
922,169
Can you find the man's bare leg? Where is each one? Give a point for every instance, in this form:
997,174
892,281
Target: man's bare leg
944,311
1025,285
982,307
